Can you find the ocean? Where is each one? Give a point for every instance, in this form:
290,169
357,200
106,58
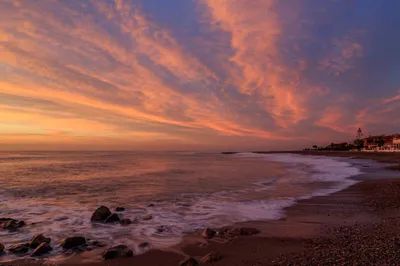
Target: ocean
55,193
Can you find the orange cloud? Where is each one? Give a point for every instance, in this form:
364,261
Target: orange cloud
144,95
256,66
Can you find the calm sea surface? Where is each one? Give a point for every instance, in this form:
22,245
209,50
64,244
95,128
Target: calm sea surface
56,192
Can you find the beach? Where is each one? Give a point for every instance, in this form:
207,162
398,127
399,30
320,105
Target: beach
356,225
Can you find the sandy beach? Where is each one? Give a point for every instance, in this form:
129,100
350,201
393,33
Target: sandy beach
358,225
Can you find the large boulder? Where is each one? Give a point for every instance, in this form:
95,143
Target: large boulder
189,262
101,214
208,233
1,248
73,242
21,248
37,240
211,257
113,218
42,249
117,252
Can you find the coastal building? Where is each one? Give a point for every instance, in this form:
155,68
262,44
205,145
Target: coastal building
396,143
370,142
382,143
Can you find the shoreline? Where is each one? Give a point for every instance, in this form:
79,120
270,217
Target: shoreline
304,231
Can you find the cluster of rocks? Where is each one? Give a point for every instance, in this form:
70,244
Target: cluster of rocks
11,224
230,231
39,244
209,233
104,215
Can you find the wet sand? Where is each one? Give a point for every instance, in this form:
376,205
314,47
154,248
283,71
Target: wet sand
358,225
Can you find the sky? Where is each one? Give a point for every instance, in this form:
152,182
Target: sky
196,74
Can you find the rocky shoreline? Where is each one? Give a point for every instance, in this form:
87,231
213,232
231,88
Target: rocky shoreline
39,245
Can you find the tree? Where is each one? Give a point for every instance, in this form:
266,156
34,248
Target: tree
315,147
359,133
380,141
359,142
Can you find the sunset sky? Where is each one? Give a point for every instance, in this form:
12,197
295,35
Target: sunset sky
196,74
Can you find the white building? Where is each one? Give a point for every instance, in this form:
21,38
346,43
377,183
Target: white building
396,143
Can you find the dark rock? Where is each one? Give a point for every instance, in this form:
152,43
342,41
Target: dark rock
211,257
241,231
42,249
37,240
208,233
21,224
151,205
163,228
148,217
113,218
73,242
11,224
120,251
247,231
19,248
189,262
125,221
144,244
120,209
101,214
1,248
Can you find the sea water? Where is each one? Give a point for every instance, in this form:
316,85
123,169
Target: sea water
55,193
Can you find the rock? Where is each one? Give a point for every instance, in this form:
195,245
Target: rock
11,224
101,214
161,229
144,244
241,231
151,205
125,222
19,248
148,217
1,248
113,218
208,233
120,251
73,242
211,257
37,240
247,231
189,262
42,249
119,209
21,224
